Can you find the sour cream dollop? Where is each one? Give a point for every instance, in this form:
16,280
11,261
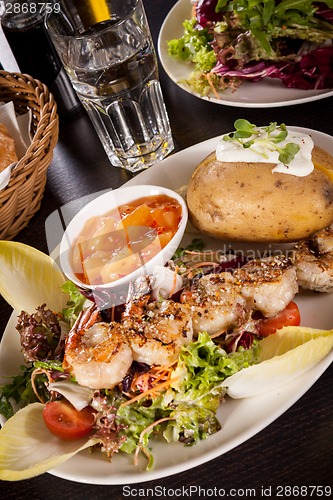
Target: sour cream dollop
262,151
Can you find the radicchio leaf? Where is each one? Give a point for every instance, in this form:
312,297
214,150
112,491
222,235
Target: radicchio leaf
205,12
313,71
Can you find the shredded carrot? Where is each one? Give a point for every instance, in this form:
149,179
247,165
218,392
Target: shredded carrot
163,374
159,368
146,380
172,291
157,378
142,381
149,392
209,80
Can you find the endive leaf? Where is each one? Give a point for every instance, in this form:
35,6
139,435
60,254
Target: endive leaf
27,447
284,356
29,278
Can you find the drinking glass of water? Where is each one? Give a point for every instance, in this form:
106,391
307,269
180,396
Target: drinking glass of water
107,51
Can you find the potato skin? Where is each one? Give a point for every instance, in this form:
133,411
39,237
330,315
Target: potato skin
249,202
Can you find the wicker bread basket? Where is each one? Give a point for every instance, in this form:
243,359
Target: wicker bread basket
22,197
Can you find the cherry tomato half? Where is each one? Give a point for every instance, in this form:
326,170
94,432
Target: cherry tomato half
65,422
290,316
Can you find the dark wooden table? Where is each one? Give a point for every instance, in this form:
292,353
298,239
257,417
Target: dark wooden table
296,449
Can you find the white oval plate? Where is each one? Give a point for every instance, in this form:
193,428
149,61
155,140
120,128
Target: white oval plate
174,172
266,93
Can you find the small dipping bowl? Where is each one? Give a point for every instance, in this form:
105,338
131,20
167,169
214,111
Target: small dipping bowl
114,291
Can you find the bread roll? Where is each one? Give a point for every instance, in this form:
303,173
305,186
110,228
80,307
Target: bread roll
7,148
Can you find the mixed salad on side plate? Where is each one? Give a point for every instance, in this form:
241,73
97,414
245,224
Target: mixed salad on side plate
54,416
232,41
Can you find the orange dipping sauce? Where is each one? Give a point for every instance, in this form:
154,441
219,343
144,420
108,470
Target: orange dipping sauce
114,245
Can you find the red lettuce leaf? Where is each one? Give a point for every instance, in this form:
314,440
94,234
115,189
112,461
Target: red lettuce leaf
313,71
324,12
205,12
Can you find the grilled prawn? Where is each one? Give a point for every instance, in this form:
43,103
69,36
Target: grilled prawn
224,301
98,354
156,330
267,284
313,260
215,303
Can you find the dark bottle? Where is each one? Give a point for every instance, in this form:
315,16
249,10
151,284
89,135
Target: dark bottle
35,53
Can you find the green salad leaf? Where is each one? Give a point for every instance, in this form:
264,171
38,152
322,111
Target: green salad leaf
18,391
193,46
270,19
197,390
75,303
137,418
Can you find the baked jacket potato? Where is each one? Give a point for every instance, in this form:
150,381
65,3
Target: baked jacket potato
249,202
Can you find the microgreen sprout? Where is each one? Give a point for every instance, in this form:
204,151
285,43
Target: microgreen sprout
247,134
